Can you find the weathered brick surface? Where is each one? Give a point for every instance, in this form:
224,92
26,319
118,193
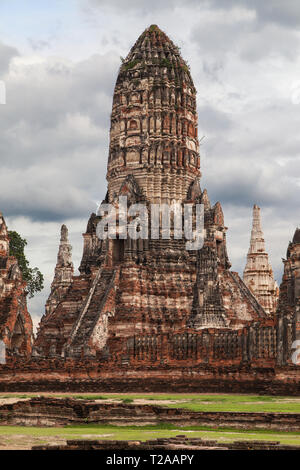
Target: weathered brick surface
288,312
179,443
60,412
149,313
92,376
15,321
150,302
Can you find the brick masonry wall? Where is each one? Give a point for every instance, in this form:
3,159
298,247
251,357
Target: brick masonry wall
90,376
180,443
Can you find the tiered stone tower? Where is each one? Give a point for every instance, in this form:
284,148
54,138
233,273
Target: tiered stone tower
60,287
289,302
64,271
15,321
154,123
258,273
153,301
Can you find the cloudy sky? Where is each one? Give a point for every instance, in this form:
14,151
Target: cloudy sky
59,61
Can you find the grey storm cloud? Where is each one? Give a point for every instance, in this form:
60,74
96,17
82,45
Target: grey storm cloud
54,137
212,119
255,160
286,13
252,29
244,36
141,6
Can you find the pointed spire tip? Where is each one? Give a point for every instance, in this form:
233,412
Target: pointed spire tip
64,233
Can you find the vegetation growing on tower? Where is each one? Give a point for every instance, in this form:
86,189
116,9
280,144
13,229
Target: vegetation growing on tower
33,276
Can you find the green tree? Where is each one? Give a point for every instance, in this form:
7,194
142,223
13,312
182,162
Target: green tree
33,276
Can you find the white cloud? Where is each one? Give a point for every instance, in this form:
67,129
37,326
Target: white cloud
6,55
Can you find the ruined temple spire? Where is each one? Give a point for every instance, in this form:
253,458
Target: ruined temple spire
296,238
257,242
258,273
154,47
64,268
153,135
152,299
4,240
64,271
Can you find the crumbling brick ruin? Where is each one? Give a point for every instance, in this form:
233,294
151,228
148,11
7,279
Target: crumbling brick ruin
48,411
134,298
179,443
288,313
15,321
152,304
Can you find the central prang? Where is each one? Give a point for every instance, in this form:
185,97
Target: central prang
153,134
149,300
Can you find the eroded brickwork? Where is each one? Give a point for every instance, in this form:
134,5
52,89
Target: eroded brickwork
48,411
15,321
179,443
289,304
149,304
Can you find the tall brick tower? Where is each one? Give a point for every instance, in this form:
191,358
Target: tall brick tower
154,122
152,299
258,273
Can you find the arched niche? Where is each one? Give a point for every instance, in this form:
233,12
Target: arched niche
133,125
18,334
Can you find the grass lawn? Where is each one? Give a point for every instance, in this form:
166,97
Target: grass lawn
195,402
19,435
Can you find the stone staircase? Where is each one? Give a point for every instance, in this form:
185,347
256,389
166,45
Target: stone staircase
91,310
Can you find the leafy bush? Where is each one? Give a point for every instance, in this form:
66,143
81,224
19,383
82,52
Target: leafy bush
33,276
